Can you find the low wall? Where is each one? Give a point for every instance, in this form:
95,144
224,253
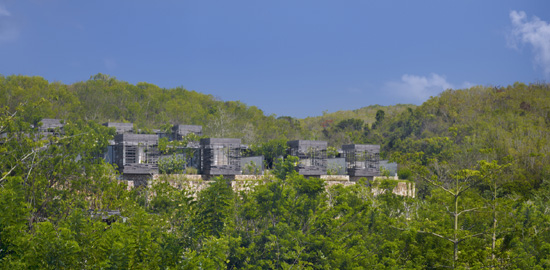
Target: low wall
137,179
245,185
405,189
249,177
335,177
192,182
401,188
183,177
196,183
338,182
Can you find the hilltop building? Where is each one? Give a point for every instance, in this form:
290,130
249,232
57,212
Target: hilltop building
136,155
312,156
362,160
220,156
50,126
180,131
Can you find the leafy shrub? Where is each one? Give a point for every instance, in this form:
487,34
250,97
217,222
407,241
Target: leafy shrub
404,173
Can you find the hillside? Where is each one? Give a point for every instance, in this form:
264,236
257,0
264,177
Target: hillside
103,98
351,126
479,158
458,126
464,126
461,127
509,124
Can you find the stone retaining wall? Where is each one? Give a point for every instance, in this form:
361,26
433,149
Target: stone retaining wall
196,183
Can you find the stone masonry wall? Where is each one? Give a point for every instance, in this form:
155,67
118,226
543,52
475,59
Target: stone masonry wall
196,183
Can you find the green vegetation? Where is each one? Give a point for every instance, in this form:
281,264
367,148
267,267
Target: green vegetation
103,98
479,158
461,127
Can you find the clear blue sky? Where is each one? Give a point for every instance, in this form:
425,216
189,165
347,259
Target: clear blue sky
297,58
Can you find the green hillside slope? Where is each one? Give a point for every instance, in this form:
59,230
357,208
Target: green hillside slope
508,124
103,98
479,158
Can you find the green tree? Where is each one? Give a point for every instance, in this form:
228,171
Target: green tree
454,191
285,167
214,207
271,150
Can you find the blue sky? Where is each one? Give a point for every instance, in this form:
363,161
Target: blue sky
297,58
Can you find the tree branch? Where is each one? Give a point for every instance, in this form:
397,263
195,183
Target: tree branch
440,236
15,166
470,210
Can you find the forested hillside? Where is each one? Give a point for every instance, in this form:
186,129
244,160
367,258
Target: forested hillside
103,98
459,126
507,124
479,158
353,126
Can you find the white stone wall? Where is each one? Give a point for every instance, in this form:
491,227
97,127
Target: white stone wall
196,183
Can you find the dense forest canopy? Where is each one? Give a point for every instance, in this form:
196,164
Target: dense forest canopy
480,158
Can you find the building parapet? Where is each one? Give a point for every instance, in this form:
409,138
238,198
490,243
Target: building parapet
120,127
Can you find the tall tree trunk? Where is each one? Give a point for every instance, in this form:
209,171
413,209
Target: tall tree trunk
455,257
493,247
